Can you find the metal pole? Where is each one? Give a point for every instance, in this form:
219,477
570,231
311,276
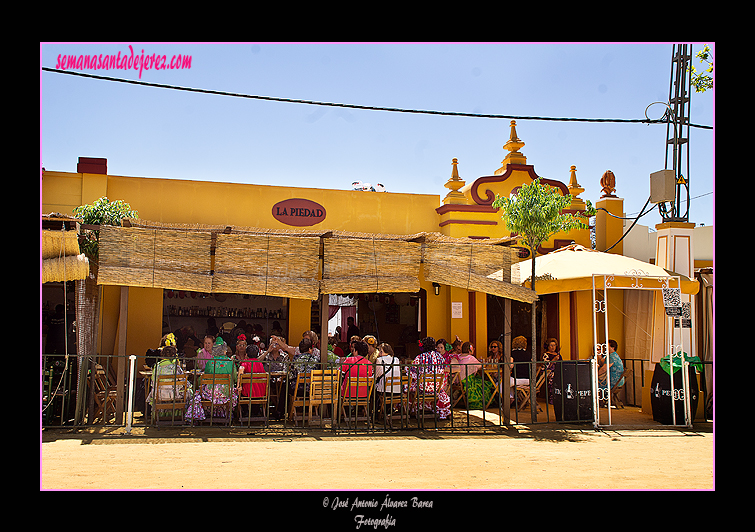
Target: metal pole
671,368
606,351
130,413
596,403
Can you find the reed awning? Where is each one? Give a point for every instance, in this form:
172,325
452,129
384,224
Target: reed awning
370,265
300,264
472,266
270,265
155,258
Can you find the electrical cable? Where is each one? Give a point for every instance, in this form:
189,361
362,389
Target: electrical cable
633,224
363,107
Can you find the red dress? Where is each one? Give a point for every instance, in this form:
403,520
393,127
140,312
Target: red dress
253,366
353,367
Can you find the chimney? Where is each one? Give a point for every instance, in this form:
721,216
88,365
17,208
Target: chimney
92,165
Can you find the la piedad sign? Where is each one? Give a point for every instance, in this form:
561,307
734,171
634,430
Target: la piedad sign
299,212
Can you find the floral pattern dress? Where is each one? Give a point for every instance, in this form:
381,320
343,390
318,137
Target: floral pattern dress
431,362
551,359
222,400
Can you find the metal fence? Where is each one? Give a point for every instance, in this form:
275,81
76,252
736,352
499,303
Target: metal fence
82,392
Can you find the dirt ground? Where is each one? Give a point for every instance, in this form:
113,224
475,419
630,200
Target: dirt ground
518,457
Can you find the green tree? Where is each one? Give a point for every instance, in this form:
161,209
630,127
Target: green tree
703,81
534,213
101,212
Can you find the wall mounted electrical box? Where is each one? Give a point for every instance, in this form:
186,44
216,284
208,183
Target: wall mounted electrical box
662,186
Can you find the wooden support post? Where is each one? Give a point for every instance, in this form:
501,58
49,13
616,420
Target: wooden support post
121,355
324,313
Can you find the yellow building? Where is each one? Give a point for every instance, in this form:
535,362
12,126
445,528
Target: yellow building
429,300
437,309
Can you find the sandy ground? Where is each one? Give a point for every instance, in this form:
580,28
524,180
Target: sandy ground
519,457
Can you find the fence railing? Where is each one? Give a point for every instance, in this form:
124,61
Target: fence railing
77,391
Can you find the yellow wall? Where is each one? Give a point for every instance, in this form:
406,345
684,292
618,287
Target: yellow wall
584,321
195,202
145,315
438,313
564,330
299,320
211,203
249,205
459,326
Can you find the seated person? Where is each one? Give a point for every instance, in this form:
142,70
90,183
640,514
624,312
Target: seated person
478,389
429,361
443,349
223,399
275,356
372,351
465,362
354,366
167,364
251,365
520,372
386,366
495,351
204,354
292,351
614,369
304,361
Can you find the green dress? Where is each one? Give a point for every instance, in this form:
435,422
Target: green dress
474,387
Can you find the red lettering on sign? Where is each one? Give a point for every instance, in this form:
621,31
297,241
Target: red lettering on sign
299,212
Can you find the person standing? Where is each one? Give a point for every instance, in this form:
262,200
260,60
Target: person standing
551,357
351,328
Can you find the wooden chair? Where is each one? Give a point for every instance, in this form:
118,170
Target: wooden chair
391,399
456,388
212,380
617,388
169,397
324,390
263,401
429,385
299,400
355,403
105,396
523,392
494,375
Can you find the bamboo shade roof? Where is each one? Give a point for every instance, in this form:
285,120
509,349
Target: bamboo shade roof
286,262
271,265
151,258
473,266
361,265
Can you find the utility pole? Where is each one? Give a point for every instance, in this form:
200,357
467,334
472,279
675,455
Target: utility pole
677,132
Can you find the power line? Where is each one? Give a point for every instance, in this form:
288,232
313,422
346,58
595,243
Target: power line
682,201
642,213
354,106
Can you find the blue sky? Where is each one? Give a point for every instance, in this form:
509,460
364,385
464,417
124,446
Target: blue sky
156,132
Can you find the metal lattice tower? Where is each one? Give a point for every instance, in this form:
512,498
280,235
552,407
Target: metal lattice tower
677,131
